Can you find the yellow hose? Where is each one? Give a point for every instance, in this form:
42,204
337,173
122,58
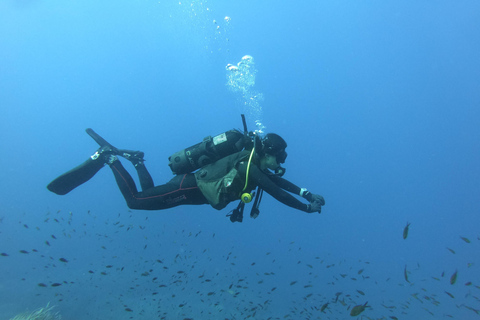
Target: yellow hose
248,169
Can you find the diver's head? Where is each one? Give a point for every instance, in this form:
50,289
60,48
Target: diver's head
273,151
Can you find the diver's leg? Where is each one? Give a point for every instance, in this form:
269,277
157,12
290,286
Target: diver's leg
136,158
144,176
180,190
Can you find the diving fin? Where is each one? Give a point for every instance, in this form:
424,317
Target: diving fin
82,173
101,142
75,177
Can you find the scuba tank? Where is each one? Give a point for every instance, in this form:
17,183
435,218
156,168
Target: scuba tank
214,148
208,151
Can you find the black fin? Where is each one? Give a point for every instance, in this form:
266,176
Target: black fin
101,142
82,173
75,177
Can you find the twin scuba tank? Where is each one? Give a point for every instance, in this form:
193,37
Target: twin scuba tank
208,151
214,148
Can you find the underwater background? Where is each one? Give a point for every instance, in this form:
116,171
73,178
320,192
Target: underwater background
379,102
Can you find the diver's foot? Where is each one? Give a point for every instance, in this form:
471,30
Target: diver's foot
135,157
105,154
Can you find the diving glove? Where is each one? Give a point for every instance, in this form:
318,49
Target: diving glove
314,207
318,198
312,197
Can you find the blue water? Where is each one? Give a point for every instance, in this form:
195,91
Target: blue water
379,102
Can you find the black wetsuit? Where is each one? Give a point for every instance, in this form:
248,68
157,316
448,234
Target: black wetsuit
183,189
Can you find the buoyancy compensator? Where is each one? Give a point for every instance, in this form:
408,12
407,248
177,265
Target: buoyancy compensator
208,151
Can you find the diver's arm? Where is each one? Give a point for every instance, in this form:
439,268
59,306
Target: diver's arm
290,187
263,181
285,184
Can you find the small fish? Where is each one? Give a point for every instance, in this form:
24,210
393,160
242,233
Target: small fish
43,285
451,250
23,251
128,310
465,239
53,236
293,282
358,309
56,284
3,254
322,309
337,295
453,278
469,283
405,230
405,274
361,292
63,260
451,295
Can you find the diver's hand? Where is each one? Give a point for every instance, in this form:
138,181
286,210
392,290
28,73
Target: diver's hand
314,206
318,198
312,197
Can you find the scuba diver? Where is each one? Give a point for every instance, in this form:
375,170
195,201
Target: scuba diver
217,171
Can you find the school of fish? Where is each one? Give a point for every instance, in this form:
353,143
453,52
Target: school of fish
212,283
